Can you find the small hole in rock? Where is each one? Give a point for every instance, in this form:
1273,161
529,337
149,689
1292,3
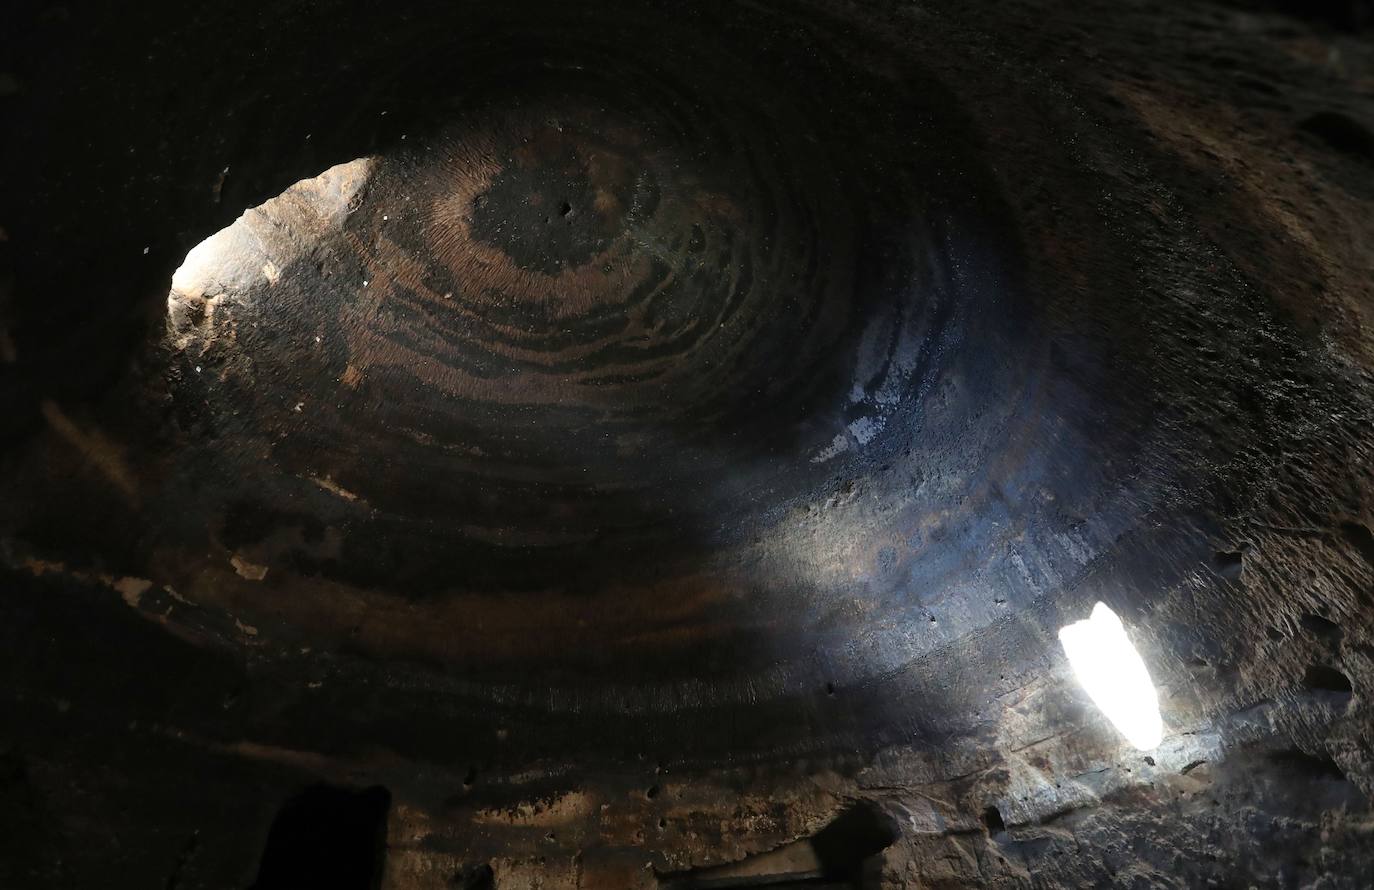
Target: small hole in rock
992,820
1228,564
1341,132
1296,762
829,688
1150,760
652,792
1324,678
1360,539
565,209
1322,627
1273,633
856,834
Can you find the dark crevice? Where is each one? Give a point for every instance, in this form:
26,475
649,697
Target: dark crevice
1321,627
858,833
1326,679
1228,564
1341,133
327,838
1361,539
1296,763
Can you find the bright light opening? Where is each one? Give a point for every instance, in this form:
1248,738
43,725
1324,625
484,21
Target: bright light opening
1109,668
266,240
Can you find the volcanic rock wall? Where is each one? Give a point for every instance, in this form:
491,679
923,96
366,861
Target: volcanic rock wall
650,445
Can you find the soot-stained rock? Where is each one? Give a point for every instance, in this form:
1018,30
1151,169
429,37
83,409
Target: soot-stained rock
636,436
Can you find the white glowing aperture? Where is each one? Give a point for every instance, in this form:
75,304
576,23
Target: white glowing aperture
1112,672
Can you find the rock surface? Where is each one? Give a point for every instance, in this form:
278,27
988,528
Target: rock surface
638,446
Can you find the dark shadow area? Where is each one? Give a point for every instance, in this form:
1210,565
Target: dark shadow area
473,877
1342,133
1360,539
1329,685
859,832
327,838
1230,564
834,857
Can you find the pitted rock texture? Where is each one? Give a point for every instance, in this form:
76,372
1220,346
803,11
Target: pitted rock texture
621,440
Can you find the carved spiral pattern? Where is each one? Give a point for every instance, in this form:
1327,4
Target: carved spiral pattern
620,311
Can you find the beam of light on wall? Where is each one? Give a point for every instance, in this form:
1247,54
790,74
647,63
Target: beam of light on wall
1112,672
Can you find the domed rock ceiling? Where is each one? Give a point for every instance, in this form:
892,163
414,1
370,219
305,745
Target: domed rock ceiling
632,445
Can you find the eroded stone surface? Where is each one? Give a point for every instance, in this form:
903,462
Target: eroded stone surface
461,495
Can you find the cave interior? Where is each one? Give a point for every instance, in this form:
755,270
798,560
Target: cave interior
653,445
